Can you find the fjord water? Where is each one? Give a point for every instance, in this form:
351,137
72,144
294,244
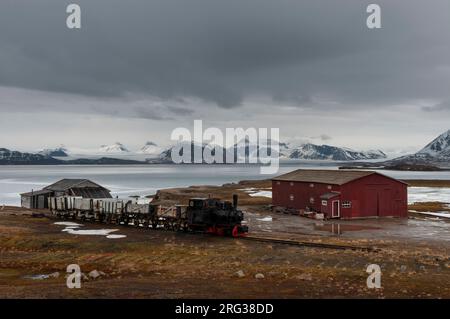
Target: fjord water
128,180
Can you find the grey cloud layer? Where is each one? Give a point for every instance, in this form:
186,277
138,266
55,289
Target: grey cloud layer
308,53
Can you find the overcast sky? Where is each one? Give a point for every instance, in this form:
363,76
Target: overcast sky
138,69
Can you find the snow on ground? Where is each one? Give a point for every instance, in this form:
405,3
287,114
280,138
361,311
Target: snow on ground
255,192
437,214
116,236
68,224
265,219
428,194
262,194
72,228
100,232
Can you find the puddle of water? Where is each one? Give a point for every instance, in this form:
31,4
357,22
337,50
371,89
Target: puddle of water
339,229
37,277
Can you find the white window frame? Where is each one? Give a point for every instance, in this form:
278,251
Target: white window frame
324,203
347,204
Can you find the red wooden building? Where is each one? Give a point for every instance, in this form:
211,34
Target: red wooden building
341,193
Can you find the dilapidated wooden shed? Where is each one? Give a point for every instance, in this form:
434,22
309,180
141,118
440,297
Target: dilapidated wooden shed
65,187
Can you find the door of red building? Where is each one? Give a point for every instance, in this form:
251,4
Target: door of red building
371,203
335,209
385,202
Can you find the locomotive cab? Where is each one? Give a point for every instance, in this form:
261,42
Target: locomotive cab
197,203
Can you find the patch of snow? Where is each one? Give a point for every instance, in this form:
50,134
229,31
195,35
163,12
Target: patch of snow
69,224
265,219
248,190
97,232
262,194
438,214
116,236
428,194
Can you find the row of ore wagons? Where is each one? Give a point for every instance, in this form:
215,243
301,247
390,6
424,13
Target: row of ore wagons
341,193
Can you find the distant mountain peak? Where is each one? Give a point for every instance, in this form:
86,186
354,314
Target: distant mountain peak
440,146
309,151
437,152
59,151
150,148
114,148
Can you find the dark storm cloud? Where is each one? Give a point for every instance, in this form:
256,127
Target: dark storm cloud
443,106
303,52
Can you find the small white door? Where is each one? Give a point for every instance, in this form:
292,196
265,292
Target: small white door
335,209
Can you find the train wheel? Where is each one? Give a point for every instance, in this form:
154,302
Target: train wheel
235,231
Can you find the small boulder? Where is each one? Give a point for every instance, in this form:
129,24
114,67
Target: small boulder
306,277
94,274
259,276
240,274
53,275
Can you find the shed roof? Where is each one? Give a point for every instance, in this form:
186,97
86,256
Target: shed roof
36,193
329,195
334,177
68,183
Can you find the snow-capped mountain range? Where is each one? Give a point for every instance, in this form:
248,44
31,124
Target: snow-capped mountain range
435,153
306,151
299,151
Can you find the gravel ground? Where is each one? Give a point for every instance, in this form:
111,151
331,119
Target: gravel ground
34,254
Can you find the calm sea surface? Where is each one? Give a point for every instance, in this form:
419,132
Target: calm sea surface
124,180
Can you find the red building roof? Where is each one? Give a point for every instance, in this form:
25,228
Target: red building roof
334,177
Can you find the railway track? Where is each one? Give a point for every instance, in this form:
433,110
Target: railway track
280,241
311,244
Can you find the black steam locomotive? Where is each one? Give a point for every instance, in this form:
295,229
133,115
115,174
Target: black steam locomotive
216,217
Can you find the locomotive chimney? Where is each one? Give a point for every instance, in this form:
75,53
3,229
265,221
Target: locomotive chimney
235,201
